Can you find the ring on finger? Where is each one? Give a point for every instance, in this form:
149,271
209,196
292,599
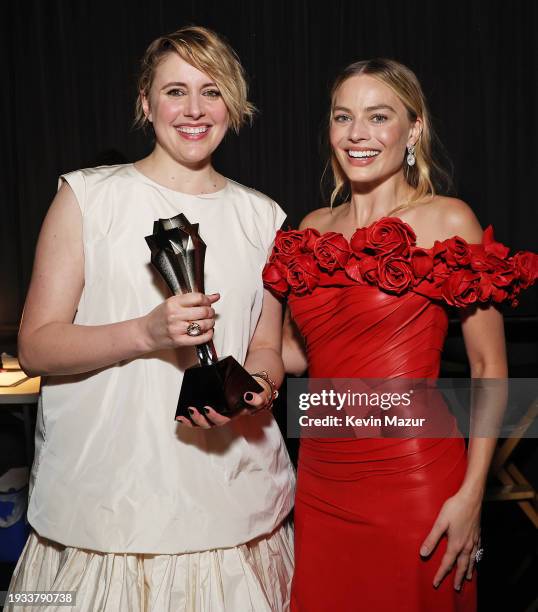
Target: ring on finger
479,555
193,329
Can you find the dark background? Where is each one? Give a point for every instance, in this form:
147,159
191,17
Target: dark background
69,70
68,88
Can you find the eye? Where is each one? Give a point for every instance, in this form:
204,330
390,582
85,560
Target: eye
379,118
212,93
175,92
341,118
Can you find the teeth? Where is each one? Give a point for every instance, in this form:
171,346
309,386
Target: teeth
192,130
362,153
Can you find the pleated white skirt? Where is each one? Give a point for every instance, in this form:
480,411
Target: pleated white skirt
253,577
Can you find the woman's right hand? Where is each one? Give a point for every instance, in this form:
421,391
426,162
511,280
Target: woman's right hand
166,325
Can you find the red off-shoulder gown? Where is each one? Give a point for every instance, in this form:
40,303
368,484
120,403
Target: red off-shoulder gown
375,307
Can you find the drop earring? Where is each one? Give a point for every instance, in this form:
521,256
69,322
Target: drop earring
411,159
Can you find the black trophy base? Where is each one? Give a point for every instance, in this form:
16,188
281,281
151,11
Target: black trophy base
220,385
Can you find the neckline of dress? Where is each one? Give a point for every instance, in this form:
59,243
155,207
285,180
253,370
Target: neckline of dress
367,227
204,196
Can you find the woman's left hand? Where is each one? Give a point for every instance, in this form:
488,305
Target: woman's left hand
459,518
210,418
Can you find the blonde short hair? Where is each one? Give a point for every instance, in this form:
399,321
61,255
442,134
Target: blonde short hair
209,53
404,83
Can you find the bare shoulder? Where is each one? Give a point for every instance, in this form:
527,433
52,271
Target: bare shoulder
318,219
65,195
64,211
448,217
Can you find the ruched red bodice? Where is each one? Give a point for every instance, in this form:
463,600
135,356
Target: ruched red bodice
386,336
375,307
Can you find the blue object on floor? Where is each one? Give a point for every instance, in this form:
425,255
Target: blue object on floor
14,528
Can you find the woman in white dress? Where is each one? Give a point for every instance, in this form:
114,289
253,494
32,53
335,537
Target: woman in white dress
130,509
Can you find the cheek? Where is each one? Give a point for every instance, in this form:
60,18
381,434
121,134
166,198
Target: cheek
165,110
336,133
220,114
393,136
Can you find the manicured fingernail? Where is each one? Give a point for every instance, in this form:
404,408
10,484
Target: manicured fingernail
458,587
191,411
424,551
204,410
249,397
435,585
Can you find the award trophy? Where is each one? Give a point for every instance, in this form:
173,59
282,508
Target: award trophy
178,253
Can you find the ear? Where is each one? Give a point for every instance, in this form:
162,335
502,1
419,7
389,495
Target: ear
145,106
415,131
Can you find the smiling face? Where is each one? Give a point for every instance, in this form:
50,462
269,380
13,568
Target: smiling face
187,111
369,130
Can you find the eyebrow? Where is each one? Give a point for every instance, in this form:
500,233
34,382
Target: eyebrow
379,107
179,84
368,109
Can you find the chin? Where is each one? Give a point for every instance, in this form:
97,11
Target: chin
363,175
193,157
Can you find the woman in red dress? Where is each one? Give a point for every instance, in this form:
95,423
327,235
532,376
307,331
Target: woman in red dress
384,523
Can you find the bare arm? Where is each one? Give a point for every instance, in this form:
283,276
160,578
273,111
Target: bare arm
49,341
293,349
264,351
483,333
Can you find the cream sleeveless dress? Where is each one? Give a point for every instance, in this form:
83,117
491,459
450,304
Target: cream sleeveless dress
129,509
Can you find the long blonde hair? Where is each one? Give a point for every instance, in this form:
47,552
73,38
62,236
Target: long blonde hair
209,53
406,86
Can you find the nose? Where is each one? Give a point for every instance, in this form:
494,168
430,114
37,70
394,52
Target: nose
358,131
194,107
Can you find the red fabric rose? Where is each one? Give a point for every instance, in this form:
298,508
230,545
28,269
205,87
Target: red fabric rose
390,235
504,272
526,268
358,242
457,253
303,274
480,262
332,251
421,262
491,246
431,287
395,274
440,266
353,268
499,272
362,270
288,243
461,288
368,269
489,290
310,237
274,278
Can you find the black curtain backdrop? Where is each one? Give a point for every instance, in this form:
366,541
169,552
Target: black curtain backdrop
69,66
